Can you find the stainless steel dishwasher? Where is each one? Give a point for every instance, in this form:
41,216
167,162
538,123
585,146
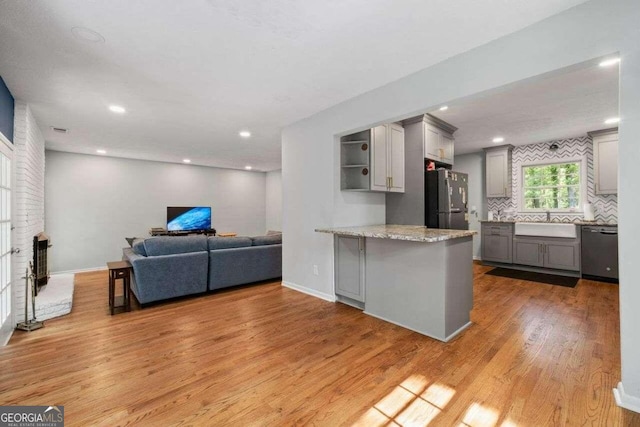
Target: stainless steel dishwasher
600,252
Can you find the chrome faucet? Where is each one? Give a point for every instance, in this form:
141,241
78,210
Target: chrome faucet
548,216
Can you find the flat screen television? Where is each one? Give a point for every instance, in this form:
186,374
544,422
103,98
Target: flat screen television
190,218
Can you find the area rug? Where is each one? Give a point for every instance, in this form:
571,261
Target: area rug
550,279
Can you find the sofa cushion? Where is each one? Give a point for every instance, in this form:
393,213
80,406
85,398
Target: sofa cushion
168,245
228,242
273,239
138,246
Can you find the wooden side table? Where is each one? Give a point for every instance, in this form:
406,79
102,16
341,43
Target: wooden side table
119,270
226,234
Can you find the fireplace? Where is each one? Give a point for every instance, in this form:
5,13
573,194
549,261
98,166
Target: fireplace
40,266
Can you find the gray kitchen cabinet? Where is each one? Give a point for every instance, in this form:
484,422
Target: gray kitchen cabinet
562,255
605,160
497,242
349,267
435,136
387,158
498,171
373,160
355,153
555,253
528,252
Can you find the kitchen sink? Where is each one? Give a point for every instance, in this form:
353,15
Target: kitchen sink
545,229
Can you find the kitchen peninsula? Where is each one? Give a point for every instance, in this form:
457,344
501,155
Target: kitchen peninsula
416,277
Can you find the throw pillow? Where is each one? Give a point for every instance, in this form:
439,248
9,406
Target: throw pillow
130,240
138,247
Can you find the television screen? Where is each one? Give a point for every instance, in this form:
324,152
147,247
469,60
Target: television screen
188,218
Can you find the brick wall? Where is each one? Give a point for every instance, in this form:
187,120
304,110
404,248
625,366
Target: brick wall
28,188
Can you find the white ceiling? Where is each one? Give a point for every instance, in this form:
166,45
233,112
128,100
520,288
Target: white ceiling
192,74
563,104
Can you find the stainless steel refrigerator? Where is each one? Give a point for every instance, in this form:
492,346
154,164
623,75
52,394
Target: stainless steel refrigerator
446,199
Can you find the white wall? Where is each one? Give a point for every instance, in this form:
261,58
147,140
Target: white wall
311,190
473,165
94,202
28,196
273,195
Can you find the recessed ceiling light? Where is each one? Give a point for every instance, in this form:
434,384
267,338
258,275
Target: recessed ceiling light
87,35
59,130
244,133
101,151
444,108
612,120
117,109
186,160
609,62
498,139
248,168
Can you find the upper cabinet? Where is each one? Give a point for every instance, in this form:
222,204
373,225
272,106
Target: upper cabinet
436,135
605,160
498,171
373,160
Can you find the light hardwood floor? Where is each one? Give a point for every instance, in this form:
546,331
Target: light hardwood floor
536,355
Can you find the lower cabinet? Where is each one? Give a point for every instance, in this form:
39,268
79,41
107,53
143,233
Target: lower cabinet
349,267
497,242
556,253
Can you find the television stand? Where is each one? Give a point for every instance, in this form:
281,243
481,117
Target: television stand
163,232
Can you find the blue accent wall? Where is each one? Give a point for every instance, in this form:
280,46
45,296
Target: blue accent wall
6,111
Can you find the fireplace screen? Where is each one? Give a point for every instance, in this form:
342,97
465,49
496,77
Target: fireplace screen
40,266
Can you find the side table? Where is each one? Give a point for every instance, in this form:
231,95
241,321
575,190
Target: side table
119,270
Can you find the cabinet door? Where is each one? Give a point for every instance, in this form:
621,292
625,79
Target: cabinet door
446,145
563,256
605,162
396,158
349,267
528,252
431,142
379,181
497,163
496,248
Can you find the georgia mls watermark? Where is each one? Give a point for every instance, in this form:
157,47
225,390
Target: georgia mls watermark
31,416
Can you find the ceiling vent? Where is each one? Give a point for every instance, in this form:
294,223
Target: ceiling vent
59,130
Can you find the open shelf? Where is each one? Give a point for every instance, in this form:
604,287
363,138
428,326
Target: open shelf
355,152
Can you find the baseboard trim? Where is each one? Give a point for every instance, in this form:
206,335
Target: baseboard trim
309,291
441,339
81,270
477,258
625,401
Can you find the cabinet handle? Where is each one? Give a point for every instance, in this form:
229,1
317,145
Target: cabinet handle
390,182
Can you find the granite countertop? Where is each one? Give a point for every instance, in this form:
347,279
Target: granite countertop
412,233
576,222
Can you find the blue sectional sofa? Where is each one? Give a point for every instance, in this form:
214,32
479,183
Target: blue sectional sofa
173,266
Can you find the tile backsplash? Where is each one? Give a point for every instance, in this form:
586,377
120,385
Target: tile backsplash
606,206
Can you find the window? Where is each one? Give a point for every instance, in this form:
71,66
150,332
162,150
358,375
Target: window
554,186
